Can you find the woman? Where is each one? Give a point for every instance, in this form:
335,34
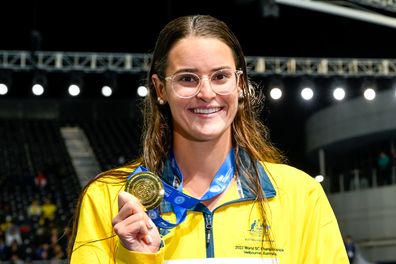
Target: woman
203,137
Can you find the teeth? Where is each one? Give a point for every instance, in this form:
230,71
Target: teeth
206,110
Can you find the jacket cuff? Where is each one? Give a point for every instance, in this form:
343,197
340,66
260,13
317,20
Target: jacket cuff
125,256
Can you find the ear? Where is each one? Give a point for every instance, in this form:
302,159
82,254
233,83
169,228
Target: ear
240,87
160,88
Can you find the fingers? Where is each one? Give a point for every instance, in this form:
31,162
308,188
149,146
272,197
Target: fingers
128,205
133,226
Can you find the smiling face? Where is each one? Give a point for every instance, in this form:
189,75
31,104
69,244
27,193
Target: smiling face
206,116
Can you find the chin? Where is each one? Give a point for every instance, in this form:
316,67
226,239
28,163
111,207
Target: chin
209,136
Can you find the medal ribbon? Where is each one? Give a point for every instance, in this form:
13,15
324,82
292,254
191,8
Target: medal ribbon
182,202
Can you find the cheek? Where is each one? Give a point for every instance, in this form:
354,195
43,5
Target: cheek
234,103
177,107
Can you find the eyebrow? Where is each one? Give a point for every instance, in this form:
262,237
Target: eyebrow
194,70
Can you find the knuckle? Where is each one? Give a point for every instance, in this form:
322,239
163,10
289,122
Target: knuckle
116,229
142,226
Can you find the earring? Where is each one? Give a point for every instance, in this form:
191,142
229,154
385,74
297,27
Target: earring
241,95
160,101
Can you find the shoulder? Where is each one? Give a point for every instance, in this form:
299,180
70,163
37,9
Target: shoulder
286,171
100,195
288,177
110,180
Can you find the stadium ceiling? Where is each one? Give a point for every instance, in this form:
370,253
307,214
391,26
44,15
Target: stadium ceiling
381,12
375,11
139,62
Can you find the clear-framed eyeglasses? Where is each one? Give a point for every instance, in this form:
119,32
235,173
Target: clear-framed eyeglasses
188,84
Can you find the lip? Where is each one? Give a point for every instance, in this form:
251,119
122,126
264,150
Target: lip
206,110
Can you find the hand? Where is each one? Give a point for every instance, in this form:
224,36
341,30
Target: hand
134,228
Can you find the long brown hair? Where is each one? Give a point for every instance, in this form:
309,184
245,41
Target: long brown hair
248,132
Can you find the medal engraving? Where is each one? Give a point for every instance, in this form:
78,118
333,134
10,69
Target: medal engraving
147,187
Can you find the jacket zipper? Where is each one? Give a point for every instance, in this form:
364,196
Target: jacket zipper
208,216
209,235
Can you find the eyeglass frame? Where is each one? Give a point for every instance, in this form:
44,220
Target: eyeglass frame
237,73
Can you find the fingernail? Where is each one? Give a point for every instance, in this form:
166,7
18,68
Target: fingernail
150,224
149,240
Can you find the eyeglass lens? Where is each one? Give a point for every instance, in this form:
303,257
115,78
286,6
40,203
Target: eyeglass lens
188,84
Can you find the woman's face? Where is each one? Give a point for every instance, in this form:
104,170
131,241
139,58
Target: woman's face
207,115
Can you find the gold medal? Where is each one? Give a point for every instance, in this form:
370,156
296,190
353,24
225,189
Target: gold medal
147,187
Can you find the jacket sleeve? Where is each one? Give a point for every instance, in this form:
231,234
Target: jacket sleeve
125,256
323,233
95,240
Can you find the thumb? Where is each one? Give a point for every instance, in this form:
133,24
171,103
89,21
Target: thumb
124,197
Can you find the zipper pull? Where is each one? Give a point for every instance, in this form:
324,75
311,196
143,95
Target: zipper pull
208,227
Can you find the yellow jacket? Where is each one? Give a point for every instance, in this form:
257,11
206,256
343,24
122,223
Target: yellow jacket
301,221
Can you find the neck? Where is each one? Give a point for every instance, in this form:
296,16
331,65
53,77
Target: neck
199,161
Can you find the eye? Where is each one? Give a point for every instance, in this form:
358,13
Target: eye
187,79
221,76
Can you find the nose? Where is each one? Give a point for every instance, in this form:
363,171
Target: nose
205,89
